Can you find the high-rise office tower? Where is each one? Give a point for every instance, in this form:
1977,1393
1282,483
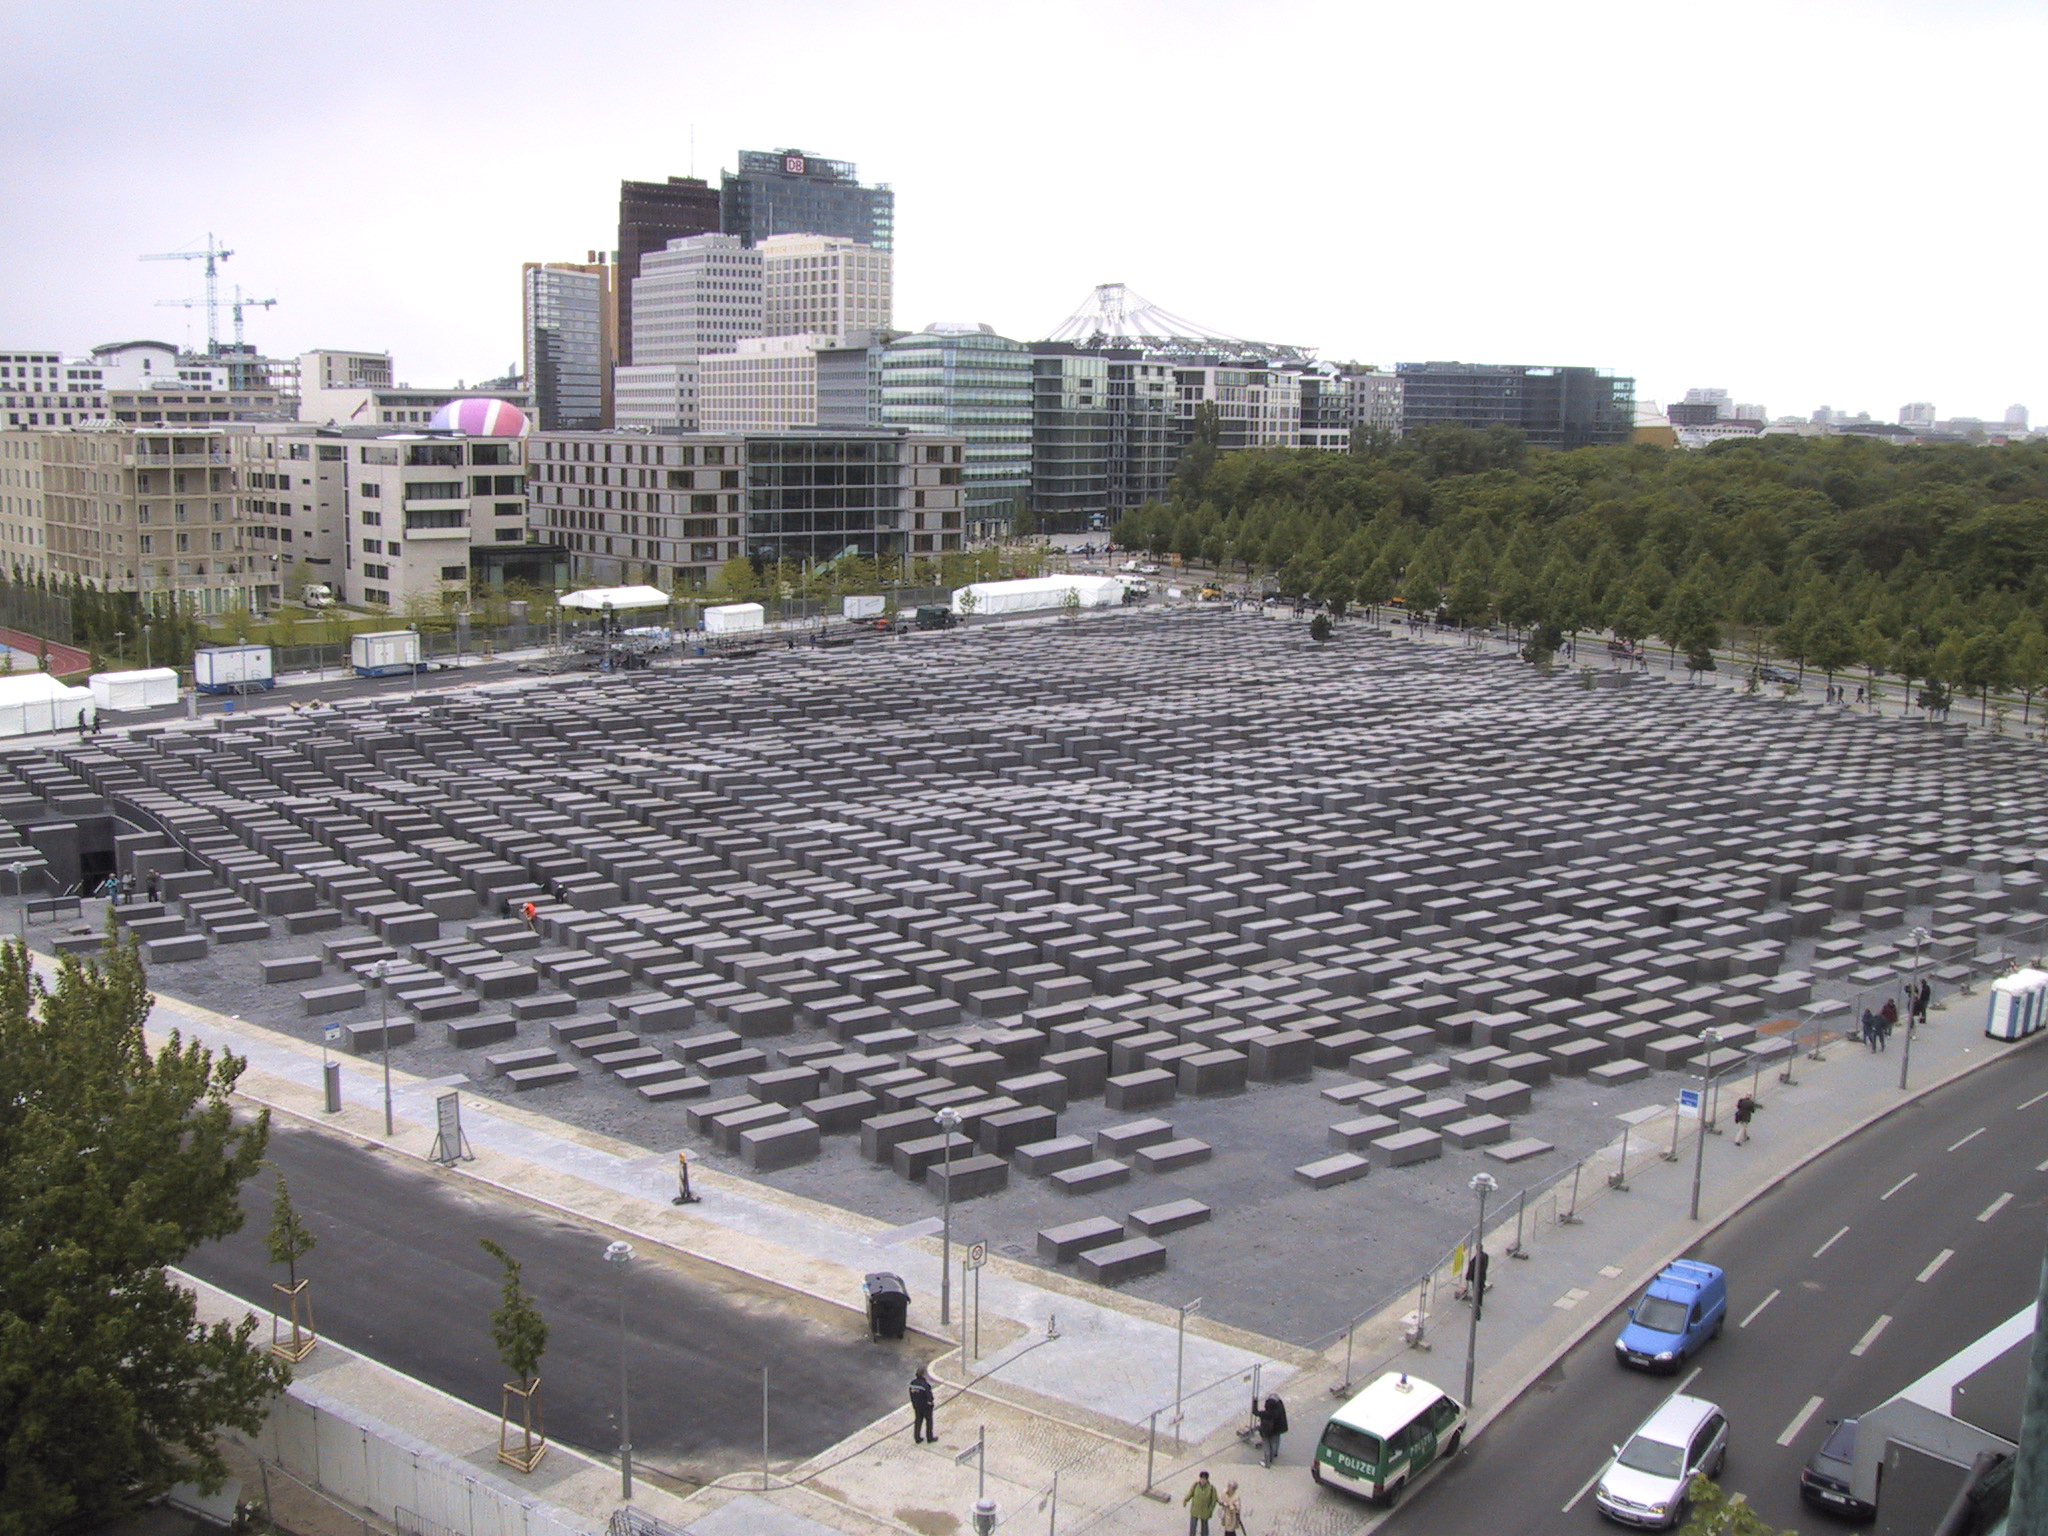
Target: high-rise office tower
697,295
826,286
789,192
968,380
652,213
568,315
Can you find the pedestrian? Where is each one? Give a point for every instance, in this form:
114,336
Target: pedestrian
1744,1108
1870,1028
1201,1502
531,913
1231,1508
1884,1033
1888,1019
921,1404
155,886
1475,1274
1921,993
1272,1425
1859,693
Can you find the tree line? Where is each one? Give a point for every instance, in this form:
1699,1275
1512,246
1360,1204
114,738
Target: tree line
1838,553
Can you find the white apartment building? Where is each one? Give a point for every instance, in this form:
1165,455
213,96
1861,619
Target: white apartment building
821,285
416,508
22,547
39,389
659,397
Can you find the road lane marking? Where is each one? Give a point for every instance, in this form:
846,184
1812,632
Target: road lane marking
1588,1488
1799,1421
2041,1167
1909,1178
2037,1098
1969,1138
1940,1259
1690,1377
1995,1207
1884,1321
1753,1311
1824,1247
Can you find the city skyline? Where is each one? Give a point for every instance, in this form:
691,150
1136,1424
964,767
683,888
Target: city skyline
1686,243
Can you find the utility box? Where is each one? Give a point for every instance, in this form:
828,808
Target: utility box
385,653
233,669
146,689
858,608
734,618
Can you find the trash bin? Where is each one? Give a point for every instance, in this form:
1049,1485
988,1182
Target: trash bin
888,1305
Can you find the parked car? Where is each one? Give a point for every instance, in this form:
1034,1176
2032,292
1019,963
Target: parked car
1647,1482
1775,675
1683,1308
1824,1483
936,616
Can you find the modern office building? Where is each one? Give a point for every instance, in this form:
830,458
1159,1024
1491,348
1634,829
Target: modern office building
791,192
1256,407
967,380
1372,399
1561,408
822,285
1105,432
39,389
568,313
699,294
651,214
661,397
671,508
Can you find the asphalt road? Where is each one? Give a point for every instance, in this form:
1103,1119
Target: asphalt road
1860,1273
399,1276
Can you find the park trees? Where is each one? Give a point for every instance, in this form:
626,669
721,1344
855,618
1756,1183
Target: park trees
116,1159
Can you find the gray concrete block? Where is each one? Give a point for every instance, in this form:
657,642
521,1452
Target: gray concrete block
1329,1171
1508,1098
190,946
1285,1057
969,1178
1166,1156
464,1034
1351,1135
1040,1158
1164,1220
840,1114
765,1148
1476,1131
783,1085
880,1135
1087,1178
367,1038
1405,1147
1058,1245
1140,1090
1002,1134
913,1157
339,999
1516,1151
1116,1263
1614,1073
524,1078
1208,1073
1046,1090
292,968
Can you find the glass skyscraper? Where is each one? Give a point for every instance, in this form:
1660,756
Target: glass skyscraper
568,349
788,192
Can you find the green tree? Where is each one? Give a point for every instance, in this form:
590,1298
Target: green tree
1713,1511
115,1161
1319,628
520,1335
289,1239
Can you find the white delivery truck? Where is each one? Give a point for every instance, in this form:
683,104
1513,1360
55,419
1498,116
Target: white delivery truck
145,689
385,653
734,618
233,669
859,609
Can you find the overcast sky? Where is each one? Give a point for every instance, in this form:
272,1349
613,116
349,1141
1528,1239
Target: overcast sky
1806,202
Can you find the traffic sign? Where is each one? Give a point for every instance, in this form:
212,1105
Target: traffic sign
1688,1101
977,1255
331,1036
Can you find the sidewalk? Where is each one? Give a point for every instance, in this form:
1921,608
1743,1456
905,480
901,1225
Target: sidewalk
1072,1375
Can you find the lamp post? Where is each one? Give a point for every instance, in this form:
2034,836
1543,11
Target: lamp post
377,973
1920,937
1180,1357
949,1122
1483,1184
618,1255
1699,1151
120,637
145,646
18,869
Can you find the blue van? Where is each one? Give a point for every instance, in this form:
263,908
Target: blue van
1683,1308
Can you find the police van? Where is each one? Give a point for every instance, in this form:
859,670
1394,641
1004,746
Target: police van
1387,1436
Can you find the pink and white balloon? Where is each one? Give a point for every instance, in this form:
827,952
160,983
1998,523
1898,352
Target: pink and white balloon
480,417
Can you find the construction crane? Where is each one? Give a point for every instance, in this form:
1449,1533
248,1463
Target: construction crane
213,256
236,308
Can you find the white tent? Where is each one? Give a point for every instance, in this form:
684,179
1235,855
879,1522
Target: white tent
133,690
618,599
1039,592
36,701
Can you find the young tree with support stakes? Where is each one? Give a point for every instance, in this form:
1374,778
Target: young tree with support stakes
288,1241
521,1336
117,1158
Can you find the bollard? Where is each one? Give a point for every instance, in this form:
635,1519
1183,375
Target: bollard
1570,1218
331,1073
1672,1155
1515,1250
1618,1180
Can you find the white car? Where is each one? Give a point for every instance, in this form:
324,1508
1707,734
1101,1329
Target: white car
1646,1483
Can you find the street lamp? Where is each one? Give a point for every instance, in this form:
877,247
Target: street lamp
1483,1184
145,646
1180,1356
1920,937
1699,1151
377,973
617,1255
18,869
949,1122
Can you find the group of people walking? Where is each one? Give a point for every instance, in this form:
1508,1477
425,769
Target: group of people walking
1878,1023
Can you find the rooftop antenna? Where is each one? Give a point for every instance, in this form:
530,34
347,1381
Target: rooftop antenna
213,255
